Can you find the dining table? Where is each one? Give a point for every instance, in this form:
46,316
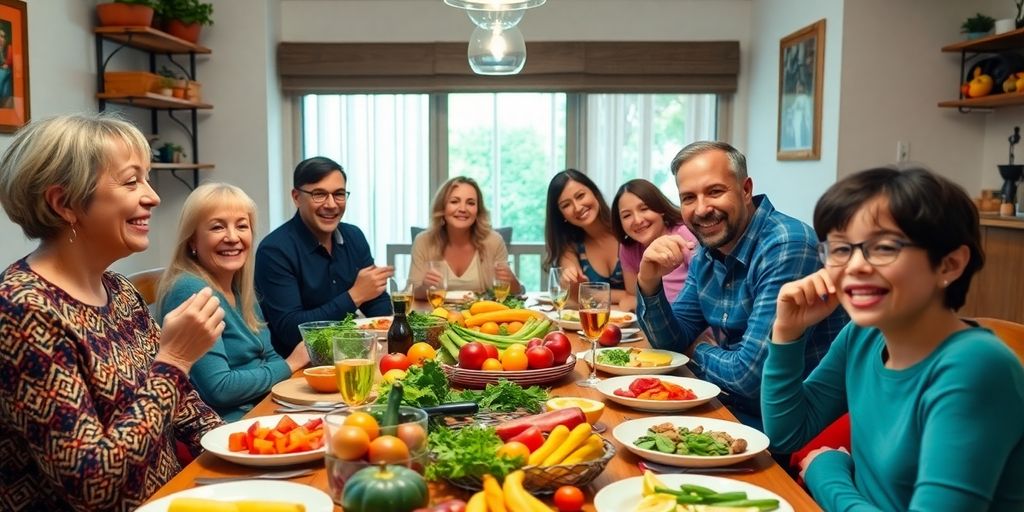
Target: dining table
766,472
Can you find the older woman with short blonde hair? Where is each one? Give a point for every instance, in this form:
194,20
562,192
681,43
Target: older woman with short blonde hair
93,395
214,249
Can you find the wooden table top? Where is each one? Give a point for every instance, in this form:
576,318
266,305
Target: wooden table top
768,474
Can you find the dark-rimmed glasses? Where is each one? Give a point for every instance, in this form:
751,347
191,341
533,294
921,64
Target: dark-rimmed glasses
319,196
877,251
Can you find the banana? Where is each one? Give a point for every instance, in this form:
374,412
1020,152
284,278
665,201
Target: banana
558,435
515,495
577,437
495,498
591,449
477,503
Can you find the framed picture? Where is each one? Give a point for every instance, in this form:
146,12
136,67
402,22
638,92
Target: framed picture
14,101
801,69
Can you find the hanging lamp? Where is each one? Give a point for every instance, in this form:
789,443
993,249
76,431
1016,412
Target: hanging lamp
496,46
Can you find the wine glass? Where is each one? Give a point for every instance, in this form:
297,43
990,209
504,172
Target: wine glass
595,308
501,286
436,293
558,290
401,296
355,356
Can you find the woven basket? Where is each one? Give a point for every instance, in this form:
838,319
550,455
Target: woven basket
547,479
478,379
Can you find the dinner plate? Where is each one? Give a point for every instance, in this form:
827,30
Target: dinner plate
623,495
704,390
216,442
629,431
459,297
677,361
314,499
570,319
478,379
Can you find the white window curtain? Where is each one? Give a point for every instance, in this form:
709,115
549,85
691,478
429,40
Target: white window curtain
637,135
383,143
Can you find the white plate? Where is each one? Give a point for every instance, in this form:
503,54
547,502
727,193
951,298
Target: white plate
216,442
630,431
677,361
704,390
620,318
362,323
459,297
623,496
314,499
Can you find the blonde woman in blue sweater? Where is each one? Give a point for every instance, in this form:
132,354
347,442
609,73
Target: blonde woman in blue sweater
214,249
936,403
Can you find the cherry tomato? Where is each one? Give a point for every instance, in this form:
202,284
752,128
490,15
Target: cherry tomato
394,361
569,498
514,449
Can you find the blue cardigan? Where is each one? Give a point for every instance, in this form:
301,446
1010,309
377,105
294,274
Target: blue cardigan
241,367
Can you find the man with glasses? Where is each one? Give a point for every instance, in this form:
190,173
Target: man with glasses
315,267
748,251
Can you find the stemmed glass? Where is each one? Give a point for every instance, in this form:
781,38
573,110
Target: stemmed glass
355,353
595,309
558,290
436,293
501,286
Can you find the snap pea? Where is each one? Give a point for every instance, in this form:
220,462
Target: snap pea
698,489
763,505
724,497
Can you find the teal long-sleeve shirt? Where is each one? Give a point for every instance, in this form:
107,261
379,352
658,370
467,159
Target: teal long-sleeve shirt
241,367
944,434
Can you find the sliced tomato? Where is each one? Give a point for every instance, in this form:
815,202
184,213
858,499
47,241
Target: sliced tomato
530,437
236,442
286,424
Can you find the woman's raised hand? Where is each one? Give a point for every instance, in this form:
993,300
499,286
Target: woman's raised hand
191,329
803,303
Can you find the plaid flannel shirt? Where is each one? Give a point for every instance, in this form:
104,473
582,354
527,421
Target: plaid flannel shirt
735,296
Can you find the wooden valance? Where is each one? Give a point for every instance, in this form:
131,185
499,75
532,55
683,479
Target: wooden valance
620,67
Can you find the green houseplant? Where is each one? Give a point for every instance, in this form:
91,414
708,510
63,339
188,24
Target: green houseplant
185,18
977,25
171,153
126,13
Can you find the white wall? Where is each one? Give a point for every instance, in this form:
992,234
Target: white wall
792,186
62,79
892,83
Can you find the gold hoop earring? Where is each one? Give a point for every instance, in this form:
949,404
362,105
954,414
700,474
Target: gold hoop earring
73,236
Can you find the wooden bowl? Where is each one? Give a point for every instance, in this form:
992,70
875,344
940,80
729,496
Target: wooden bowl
323,379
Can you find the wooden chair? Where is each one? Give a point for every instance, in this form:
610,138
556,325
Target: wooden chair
1011,333
145,282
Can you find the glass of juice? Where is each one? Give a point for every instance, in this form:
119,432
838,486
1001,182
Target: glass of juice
595,309
502,285
436,292
355,354
557,289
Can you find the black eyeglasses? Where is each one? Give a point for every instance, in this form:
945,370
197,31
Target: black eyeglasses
319,196
877,251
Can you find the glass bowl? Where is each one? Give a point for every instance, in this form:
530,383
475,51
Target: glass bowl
319,341
412,430
429,330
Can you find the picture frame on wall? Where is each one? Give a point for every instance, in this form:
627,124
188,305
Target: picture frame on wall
14,90
801,73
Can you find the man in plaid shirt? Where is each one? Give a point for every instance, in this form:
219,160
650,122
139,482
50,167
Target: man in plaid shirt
748,251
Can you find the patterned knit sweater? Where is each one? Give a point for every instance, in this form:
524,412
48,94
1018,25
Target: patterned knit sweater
88,421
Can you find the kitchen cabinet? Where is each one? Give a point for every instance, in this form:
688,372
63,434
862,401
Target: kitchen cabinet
1013,40
998,289
183,112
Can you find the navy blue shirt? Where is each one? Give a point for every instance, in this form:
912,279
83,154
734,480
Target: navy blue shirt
297,281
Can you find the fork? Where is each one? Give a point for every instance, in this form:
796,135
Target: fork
310,408
273,475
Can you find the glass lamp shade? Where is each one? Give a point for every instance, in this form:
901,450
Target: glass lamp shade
494,5
491,19
497,51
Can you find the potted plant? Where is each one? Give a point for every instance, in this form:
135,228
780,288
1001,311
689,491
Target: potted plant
184,18
171,153
977,26
126,13
168,81
177,82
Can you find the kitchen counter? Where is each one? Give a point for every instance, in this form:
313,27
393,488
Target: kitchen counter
998,221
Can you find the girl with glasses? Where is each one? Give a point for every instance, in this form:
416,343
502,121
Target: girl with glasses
936,403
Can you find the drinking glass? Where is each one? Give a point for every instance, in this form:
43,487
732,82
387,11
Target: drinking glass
595,309
557,289
355,356
436,293
401,296
501,286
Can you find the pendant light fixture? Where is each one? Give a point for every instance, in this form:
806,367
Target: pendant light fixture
496,46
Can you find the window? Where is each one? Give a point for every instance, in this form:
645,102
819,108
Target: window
511,143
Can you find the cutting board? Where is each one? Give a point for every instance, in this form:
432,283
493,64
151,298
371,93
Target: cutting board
297,391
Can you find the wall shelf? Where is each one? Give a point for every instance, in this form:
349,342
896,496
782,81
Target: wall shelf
1013,40
150,40
991,101
153,100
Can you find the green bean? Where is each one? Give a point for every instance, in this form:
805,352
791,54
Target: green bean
698,489
722,497
763,505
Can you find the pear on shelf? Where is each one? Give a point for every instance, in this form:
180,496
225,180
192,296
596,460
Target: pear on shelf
980,85
1010,84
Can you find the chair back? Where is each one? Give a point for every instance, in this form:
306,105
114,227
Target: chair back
145,282
1011,333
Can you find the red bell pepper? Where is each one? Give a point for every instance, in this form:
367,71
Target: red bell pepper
530,437
546,422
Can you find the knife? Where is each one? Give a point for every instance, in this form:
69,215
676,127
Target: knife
453,409
665,468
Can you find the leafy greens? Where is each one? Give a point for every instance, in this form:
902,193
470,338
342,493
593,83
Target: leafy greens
468,452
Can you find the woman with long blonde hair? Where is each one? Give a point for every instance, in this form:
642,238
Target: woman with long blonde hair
460,235
214,249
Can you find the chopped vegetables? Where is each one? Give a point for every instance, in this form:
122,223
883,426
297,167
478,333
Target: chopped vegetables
649,388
